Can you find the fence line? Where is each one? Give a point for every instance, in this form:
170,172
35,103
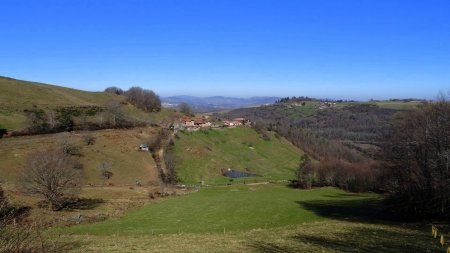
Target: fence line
438,235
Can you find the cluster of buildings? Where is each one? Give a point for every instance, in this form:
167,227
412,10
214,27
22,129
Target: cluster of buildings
193,124
235,122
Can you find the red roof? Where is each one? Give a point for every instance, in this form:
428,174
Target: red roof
199,121
186,119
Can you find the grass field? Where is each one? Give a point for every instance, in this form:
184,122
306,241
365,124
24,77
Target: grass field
397,105
257,218
202,155
235,208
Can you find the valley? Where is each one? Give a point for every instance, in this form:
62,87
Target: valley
147,186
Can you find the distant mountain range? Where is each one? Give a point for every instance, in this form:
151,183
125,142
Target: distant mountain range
216,103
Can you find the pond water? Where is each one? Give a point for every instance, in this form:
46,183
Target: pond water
238,174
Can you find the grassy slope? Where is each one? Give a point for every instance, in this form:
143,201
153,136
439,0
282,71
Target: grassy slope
21,94
17,95
329,236
211,210
201,156
263,218
117,147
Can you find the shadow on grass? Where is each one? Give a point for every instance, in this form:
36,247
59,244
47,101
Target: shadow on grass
84,203
373,231
381,239
349,209
74,204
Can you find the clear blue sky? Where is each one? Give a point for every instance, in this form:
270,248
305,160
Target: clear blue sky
356,49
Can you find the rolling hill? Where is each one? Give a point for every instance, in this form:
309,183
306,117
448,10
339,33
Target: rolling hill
217,103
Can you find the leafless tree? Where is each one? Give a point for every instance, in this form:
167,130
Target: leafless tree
68,147
185,109
105,170
144,99
89,139
52,175
52,119
170,163
416,152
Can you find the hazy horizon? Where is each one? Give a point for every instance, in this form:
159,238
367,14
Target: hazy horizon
326,49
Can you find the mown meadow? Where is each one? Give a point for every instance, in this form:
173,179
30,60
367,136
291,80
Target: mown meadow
254,218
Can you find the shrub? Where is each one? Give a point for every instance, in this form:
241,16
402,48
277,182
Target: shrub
68,147
89,139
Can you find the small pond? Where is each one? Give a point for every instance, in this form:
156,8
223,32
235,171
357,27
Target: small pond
238,174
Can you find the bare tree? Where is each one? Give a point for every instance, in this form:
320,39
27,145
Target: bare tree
105,170
89,139
185,109
170,163
52,119
144,99
68,147
52,175
115,113
416,151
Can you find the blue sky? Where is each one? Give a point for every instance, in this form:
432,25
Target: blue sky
356,49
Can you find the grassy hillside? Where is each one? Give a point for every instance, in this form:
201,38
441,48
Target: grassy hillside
17,96
254,218
202,155
20,94
117,147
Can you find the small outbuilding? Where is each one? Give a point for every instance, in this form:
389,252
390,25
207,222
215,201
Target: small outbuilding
143,147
